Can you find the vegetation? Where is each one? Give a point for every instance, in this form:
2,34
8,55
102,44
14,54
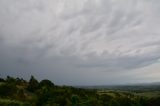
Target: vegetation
18,92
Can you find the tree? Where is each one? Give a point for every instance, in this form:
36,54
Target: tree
21,82
7,89
46,83
10,80
154,102
105,99
2,80
33,84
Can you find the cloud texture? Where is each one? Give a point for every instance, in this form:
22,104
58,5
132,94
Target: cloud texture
81,41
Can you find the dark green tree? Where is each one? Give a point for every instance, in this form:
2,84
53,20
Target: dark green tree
46,83
33,84
2,80
7,89
10,80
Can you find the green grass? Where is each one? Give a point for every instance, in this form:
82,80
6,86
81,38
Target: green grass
8,102
149,94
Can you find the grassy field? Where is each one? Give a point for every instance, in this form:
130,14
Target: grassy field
147,94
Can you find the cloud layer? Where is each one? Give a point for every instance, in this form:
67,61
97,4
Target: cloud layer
80,42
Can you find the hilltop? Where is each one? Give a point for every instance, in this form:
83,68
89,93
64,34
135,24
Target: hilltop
19,92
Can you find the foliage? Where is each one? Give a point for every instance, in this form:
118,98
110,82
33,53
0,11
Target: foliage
7,89
6,102
18,92
46,83
2,80
33,84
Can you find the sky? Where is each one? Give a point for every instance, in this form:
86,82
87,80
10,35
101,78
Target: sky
81,42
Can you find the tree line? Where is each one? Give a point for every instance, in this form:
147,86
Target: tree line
19,92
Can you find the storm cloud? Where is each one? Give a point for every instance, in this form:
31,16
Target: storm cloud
81,42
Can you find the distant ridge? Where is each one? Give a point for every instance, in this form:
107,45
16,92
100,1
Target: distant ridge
135,86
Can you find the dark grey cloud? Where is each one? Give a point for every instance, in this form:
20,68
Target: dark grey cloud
80,42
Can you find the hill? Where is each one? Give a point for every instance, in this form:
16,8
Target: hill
19,92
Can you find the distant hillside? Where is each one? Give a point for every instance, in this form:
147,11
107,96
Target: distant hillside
19,92
134,87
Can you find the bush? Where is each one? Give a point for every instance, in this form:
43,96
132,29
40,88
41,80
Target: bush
7,89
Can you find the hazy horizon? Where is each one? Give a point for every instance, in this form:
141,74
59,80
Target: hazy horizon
81,42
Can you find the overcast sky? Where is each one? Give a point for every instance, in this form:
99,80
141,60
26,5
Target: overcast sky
81,42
